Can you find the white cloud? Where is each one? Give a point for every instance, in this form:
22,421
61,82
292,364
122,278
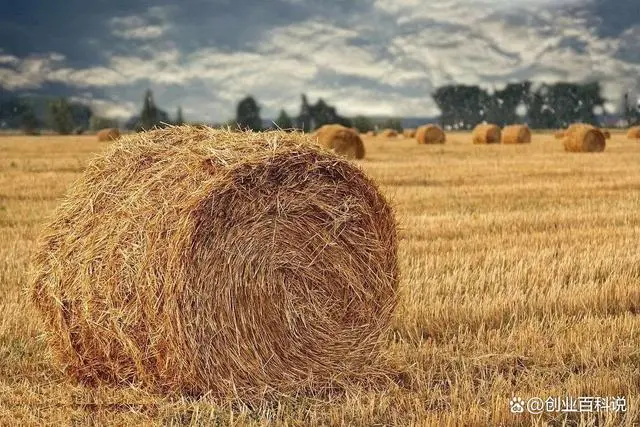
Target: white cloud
140,27
107,108
385,61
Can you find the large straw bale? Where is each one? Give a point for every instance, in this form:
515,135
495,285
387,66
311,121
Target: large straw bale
389,133
341,139
633,132
207,261
559,134
430,134
486,133
584,138
409,133
108,134
516,134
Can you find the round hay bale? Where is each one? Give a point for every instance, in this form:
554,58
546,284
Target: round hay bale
633,132
205,261
516,134
430,134
342,140
606,133
409,133
108,134
371,133
389,133
559,134
486,134
584,138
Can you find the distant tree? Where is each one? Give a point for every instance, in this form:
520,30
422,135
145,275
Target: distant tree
501,107
149,113
305,119
179,118
98,122
392,123
150,116
28,120
362,123
461,106
248,114
325,114
81,115
284,121
61,116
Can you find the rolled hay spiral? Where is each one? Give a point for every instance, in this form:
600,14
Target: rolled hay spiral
108,134
430,134
340,139
583,138
559,134
633,132
389,133
198,261
409,133
486,134
516,134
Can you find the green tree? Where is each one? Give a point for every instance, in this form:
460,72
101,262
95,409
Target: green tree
363,124
305,119
325,114
392,123
149,113
98,122
61,116
248,114
179,118
28,120
284,121
461,106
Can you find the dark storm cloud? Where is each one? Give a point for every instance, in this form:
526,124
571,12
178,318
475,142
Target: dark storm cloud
374,56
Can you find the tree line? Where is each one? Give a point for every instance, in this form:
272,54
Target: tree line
547,106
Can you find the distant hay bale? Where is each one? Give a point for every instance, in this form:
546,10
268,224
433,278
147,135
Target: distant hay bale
486,134
389,133
371,133
201,261
559,134
108,134
633,132
409,133
430,134
583,138
342,140
516,134
606,133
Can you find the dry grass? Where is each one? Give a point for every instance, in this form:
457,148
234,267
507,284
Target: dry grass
519,277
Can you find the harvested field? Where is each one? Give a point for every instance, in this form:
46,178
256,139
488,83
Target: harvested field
519,275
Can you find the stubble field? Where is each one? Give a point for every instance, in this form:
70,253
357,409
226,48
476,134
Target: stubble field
520,278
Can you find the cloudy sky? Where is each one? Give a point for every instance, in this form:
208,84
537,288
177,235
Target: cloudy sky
378,57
